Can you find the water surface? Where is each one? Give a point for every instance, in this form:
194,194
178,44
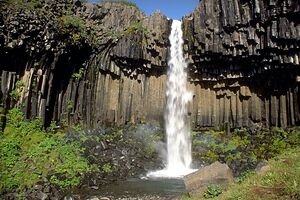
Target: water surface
135,188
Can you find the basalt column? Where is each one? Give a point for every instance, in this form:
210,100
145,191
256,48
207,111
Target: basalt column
244,63
114,78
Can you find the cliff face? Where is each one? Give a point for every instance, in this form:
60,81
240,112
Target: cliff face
106,63
244,62
93,64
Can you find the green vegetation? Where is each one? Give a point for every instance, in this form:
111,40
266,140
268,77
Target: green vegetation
212,191
30,155
133,28
123,2
74,28
150,142
107,168
280,182
78,75
279,146
2,118
26,4
71,28
16,93
68,26
244,175
70,105
242,145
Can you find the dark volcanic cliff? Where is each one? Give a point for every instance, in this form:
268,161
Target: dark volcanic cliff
92,63
106,63
244,62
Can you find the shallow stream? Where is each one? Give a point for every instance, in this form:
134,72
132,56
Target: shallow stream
136,188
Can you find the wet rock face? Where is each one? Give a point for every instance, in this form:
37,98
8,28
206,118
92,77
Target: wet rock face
243,55
244,60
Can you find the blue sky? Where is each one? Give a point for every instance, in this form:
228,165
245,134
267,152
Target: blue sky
174,9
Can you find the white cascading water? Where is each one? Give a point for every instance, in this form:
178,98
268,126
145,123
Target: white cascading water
177,127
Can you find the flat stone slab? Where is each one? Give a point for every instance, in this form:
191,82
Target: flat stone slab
215,174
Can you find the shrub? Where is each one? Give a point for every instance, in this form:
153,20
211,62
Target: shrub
70,105
243,146
135,27
25,4
132,29
78,75
107,168
16,93
212,191
29,154
73,27
122,2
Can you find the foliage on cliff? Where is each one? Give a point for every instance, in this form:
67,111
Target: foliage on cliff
73,28
45,25
122,2
64,20
33,5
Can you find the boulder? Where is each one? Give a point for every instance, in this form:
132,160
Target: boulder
104,198
214,174
262,168
93,198
42,196
68,198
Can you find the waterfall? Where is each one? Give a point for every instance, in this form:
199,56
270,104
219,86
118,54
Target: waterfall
177,126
